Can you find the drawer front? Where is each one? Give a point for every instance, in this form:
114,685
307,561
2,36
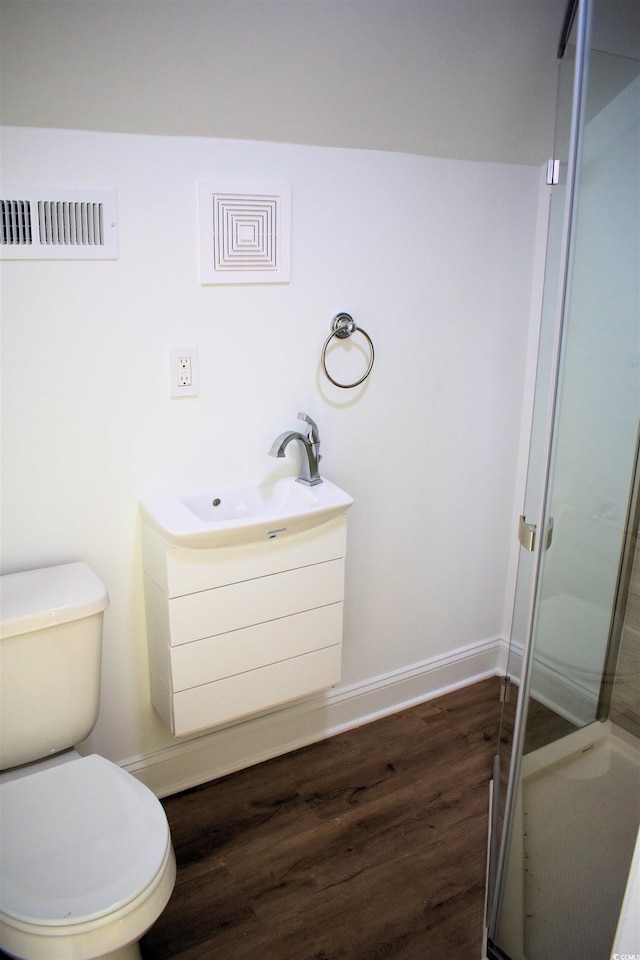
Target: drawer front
256,690
239,605
214,658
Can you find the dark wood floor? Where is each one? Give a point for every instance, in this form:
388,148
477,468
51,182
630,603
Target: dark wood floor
369,845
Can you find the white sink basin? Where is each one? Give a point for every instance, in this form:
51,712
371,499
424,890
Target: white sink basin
244,513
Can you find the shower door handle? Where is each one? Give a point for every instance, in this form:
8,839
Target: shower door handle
526,534
549,537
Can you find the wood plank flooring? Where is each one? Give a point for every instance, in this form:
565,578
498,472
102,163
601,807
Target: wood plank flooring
366,846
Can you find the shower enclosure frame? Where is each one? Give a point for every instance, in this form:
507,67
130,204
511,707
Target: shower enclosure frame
529,565
531,561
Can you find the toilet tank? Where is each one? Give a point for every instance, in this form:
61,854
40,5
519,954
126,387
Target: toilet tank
50,660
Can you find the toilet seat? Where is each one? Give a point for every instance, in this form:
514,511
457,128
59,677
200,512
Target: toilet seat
78,842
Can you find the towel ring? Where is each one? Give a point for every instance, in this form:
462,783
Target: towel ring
342,326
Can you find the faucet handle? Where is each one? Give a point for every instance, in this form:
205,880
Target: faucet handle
313,435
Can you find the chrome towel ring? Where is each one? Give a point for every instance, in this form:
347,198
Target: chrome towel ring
342,326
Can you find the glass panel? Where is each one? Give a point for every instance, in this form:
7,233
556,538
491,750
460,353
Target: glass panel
576,794
540,440
598,408
545,381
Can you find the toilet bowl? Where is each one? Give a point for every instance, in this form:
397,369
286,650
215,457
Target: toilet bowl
87,864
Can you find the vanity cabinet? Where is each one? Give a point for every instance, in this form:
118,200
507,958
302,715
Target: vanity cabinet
241,629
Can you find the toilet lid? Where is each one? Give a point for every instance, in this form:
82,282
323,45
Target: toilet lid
77,841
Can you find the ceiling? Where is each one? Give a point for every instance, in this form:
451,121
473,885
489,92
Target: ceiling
462,79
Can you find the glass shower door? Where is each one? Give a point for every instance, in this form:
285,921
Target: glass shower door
574,798
515,706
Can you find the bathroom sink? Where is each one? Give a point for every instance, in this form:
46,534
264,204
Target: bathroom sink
222,516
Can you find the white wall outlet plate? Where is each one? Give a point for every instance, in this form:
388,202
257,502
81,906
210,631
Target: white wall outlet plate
183,371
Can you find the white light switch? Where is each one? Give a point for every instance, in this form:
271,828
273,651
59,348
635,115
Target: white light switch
183,371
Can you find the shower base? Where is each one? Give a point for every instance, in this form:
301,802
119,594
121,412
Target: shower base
575,827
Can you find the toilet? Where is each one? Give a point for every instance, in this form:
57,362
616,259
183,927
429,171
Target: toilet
87,864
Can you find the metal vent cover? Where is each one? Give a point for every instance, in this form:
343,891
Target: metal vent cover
54,224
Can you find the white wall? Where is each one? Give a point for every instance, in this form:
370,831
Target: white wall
432,257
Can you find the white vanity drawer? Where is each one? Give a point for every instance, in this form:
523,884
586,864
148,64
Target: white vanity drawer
255,690
213,658
239,605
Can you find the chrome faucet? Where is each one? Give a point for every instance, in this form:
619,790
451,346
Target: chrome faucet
309,450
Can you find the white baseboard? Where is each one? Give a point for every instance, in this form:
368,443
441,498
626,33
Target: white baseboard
189,762
563,694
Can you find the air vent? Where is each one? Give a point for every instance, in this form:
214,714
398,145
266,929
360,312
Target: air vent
15,228
245,233
38,224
